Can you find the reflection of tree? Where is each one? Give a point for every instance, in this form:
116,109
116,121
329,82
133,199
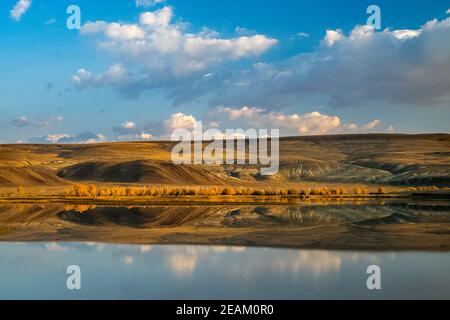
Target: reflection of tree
80,208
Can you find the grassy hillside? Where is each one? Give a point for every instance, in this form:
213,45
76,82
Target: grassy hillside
408,160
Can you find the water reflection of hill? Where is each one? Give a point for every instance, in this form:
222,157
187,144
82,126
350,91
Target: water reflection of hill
351,225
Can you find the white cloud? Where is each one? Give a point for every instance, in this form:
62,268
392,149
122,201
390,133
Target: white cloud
289,124
145,136
130,131
406,33
165,42
114,31
359,68
244,112
163,52
247,117
148,3
160,18
19,9
54,138
372,124
136,137
390,67
448,11
129,125
312,123
333,36
302,35
179,121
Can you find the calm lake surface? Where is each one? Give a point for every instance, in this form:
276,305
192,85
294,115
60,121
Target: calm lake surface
38,271
226,252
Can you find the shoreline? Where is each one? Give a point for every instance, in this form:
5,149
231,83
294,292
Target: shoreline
222,200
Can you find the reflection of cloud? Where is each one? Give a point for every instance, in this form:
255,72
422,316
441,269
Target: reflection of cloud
129,260
55,247
355,257
318,262
98,246
183,260
183,264
194,249
145,248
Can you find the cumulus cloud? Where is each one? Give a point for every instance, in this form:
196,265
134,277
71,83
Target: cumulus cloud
86,137
364,67
163,52
333,36
179,121
289,124
128,125
143,136
244,112
114,31
359,68
223,118
372,124
130,131
19,9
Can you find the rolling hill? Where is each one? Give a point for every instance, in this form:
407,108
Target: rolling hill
407,160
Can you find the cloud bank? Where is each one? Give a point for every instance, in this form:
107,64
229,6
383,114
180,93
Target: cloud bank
222,118
86,137
394,67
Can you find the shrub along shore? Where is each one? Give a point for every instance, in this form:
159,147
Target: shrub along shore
91,193
82,190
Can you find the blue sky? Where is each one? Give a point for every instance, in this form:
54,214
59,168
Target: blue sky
236,64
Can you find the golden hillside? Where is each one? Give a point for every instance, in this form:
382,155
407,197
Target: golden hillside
378,158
